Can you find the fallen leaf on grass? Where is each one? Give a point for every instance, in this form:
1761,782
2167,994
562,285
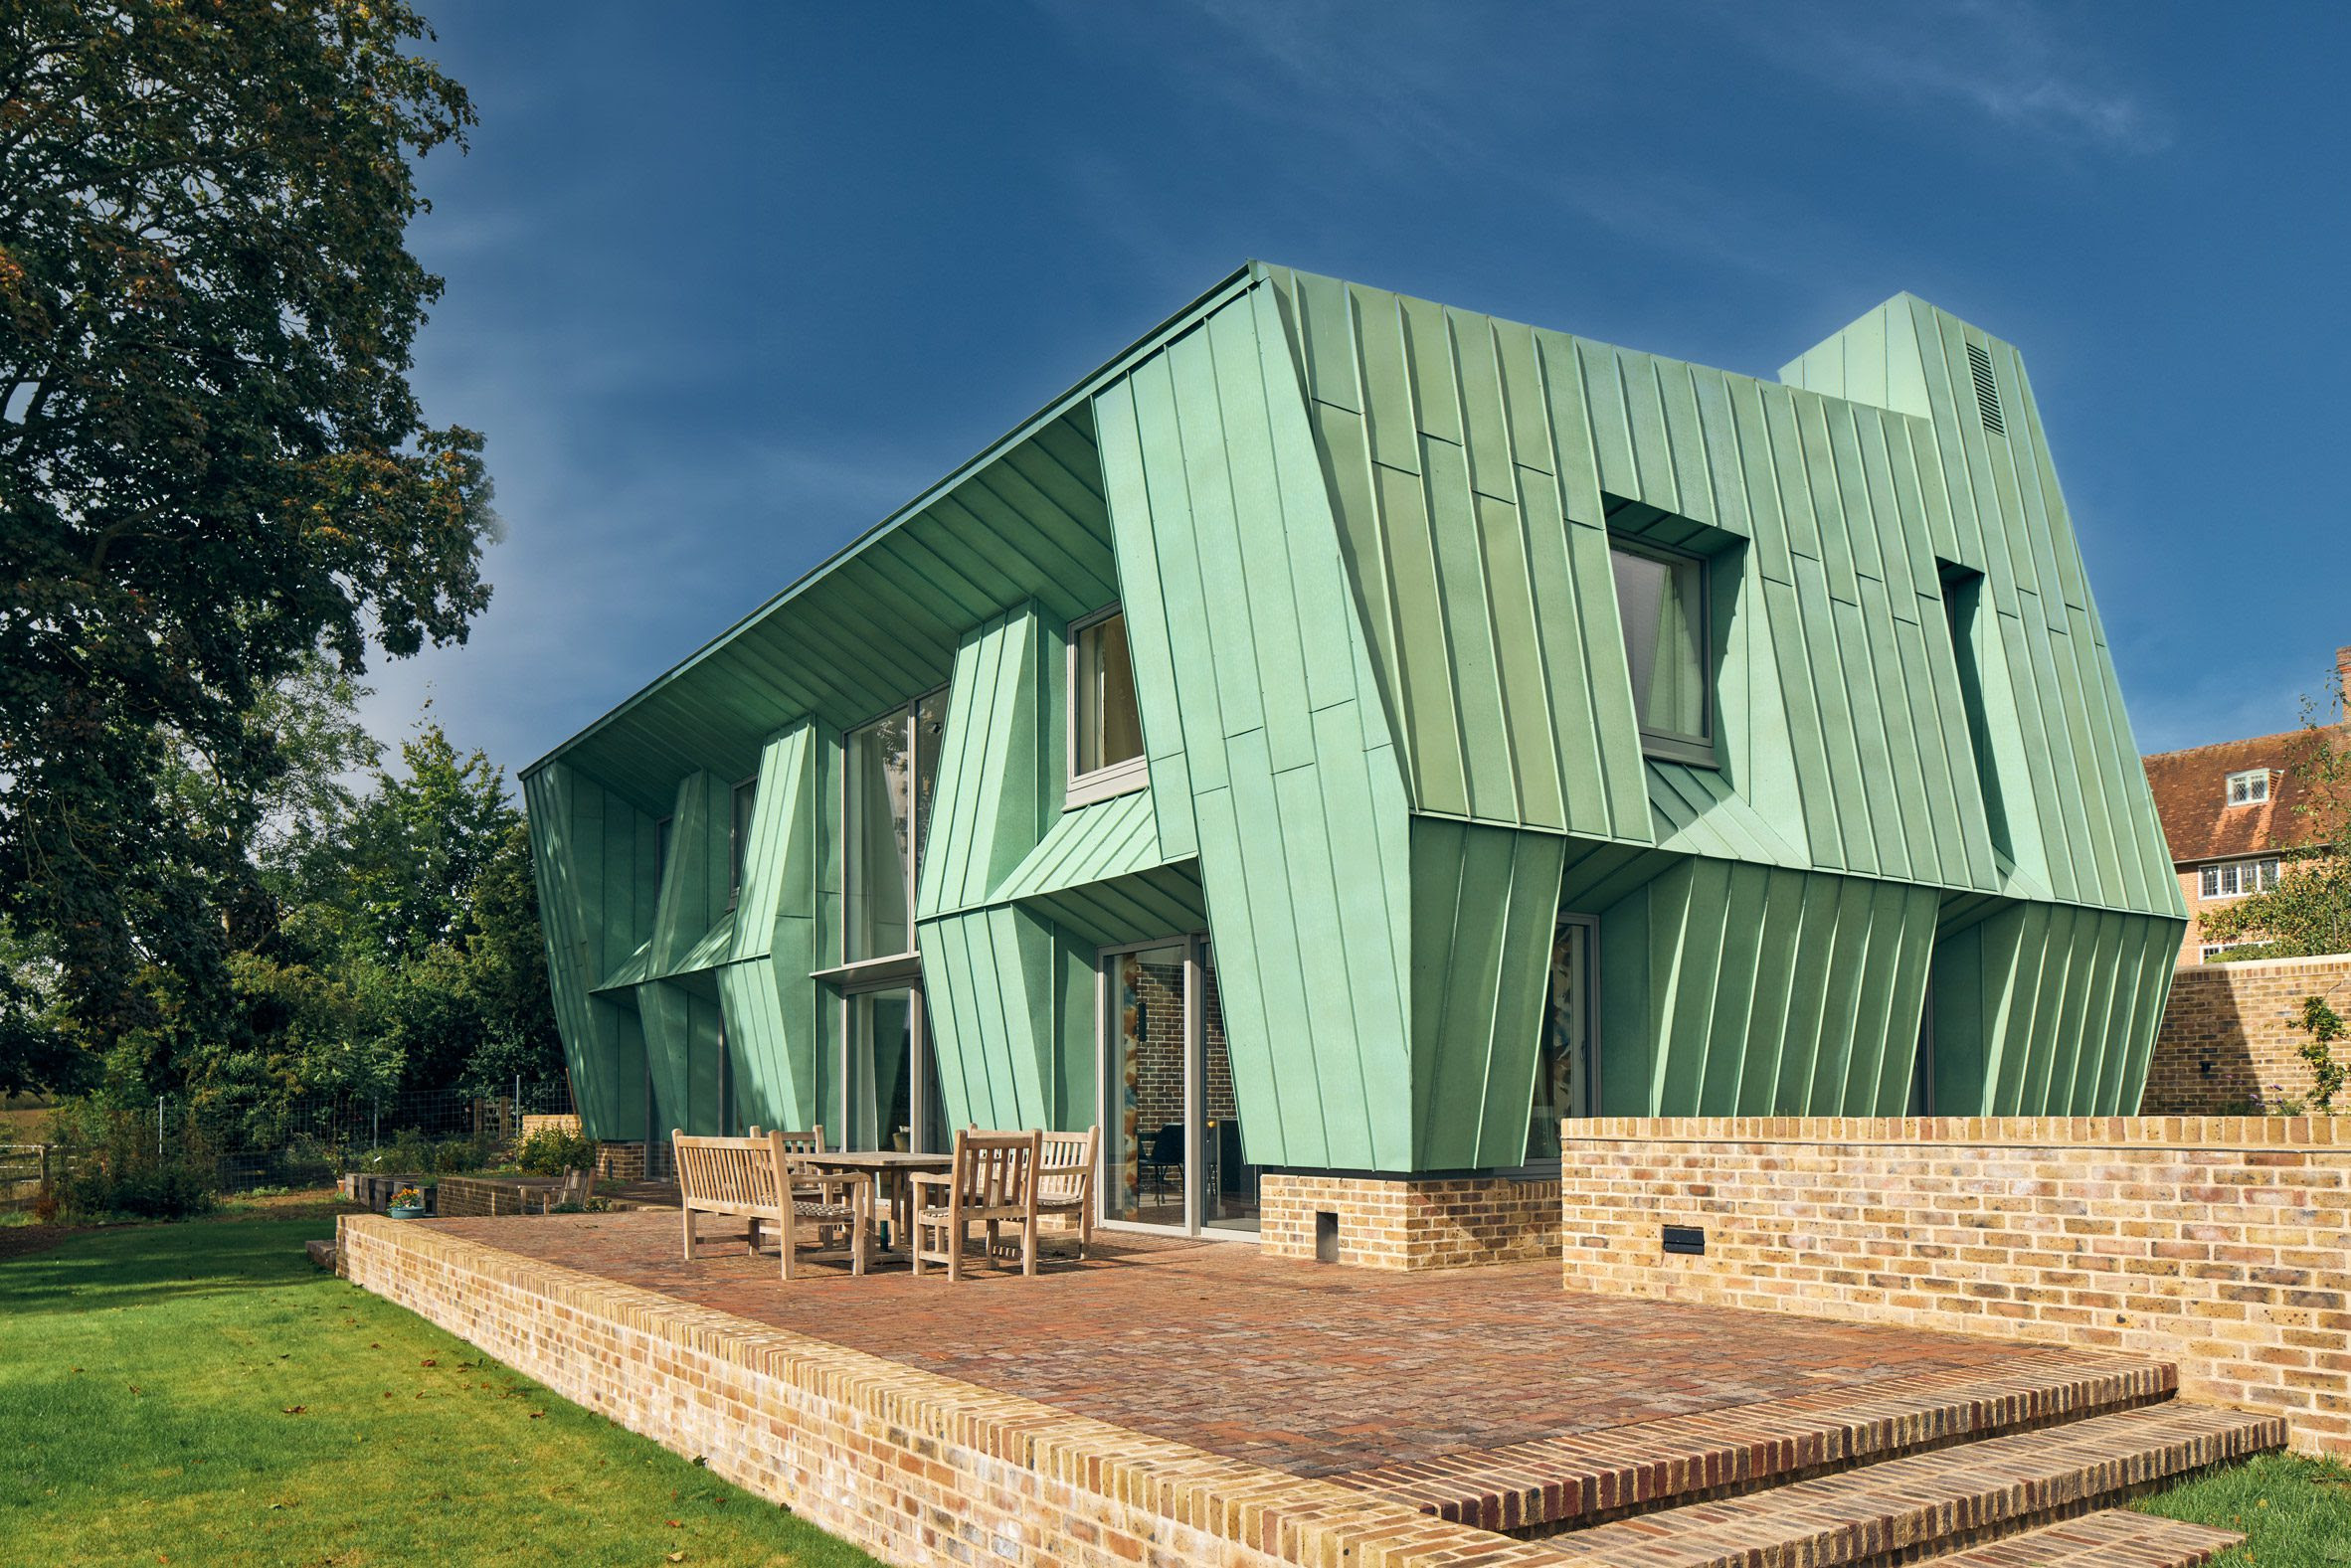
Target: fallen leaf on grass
677,1557
428,1361
295,1410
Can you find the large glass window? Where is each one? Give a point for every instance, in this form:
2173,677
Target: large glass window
746,795
1105,726
890,770
1661,601
1564,1065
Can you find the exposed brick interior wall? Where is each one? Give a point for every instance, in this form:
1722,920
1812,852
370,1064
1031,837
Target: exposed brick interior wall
2228,1044
1411,1223
915,1468
2215,1243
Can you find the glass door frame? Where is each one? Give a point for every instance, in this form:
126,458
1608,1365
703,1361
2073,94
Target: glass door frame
888,974
1196,946
1549,1166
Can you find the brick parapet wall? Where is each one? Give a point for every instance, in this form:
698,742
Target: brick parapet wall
2219,1243
1412,1222
915,1468
2228,1040
619,1161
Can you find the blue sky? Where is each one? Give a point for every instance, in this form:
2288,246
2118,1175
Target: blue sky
722,294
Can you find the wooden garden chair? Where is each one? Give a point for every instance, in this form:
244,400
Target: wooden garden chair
1066,1163
759,1181
994,1181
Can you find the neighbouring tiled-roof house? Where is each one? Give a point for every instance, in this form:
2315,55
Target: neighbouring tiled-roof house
2231,810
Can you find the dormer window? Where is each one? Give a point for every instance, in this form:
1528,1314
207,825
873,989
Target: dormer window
2250,788
1105,725
1661,603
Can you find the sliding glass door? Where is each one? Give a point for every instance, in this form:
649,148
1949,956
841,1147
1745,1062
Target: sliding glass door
1173,1157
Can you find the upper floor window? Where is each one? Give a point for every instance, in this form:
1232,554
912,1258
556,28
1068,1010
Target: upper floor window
746,795
2236,878
2250,788
1105,725
1661,601
890,769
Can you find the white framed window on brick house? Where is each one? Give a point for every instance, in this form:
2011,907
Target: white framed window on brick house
2236,878
2218,950
1661,604
1105,736
2250,788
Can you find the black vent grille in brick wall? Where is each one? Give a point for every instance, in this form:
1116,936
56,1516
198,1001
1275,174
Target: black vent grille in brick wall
1987,392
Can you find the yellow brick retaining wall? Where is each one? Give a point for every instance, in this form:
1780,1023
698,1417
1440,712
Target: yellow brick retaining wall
915,1468
2227,1039
1411,1222
2219,1243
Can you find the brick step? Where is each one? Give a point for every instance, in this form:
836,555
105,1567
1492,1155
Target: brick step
2114,1538
1903,1510
1591,1477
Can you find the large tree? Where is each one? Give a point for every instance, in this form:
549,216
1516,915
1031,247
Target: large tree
211,459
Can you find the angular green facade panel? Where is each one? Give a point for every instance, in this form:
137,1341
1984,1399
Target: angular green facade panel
1364,546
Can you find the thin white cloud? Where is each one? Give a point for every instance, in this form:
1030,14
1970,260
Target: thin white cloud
1993,59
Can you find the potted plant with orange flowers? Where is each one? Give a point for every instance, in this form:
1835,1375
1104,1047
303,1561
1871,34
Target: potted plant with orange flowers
407,1204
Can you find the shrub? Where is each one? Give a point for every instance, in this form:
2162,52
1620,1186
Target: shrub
113,1167
552,1151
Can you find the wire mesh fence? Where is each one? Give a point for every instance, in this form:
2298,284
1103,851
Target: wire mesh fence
237,1143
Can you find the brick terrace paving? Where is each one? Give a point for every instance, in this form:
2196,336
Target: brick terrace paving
1297,1366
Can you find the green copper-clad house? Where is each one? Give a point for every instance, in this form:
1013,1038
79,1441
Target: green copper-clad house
1350,734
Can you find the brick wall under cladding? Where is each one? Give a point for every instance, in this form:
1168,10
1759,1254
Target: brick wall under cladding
1412,1222
2227,1043
915,1468
2215,1243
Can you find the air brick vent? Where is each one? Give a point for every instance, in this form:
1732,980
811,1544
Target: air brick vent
1987,393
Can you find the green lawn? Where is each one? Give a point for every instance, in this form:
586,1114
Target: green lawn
201,1394
2294,1512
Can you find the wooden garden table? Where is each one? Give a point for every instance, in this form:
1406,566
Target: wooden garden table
893,1167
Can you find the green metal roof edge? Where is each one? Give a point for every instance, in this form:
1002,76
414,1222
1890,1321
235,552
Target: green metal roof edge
1234,283
1110,839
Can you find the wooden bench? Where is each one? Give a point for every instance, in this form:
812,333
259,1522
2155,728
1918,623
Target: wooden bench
758,1180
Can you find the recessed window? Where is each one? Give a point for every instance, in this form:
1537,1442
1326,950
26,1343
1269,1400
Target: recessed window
2213,951
746,795
2236,878
1661,601
1105,725
889,770
2250,788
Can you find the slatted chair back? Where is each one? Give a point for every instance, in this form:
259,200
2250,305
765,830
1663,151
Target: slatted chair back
730,1175
996,1172
1066,1179
1065,1165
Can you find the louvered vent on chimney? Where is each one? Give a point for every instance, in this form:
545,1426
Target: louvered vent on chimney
1987,395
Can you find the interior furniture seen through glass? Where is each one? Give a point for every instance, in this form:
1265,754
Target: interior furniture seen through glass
1661,603
1172,1123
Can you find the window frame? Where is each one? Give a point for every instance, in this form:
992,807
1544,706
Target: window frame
2253,779
1669,744
918,828
1100,784
738,836
2265,873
